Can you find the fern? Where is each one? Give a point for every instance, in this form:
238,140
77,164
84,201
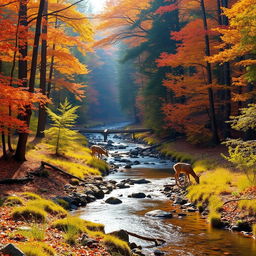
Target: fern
60,135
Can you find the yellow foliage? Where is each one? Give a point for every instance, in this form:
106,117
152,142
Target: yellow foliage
47,206
30,196
116,245
37,249
249,205
29,213
13,200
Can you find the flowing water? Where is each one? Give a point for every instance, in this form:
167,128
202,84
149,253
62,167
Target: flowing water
186,236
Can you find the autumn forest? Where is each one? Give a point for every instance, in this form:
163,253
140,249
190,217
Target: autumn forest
182,70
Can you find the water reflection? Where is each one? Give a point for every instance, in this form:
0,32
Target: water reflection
190,235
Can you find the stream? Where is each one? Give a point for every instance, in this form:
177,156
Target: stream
187,236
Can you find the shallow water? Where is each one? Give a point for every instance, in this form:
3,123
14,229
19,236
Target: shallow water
186,236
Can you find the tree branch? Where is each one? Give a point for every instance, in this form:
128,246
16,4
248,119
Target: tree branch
53,12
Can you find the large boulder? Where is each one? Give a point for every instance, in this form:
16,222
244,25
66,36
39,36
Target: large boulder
113,200
159,214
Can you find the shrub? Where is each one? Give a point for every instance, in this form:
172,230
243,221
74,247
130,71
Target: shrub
29,213
116,245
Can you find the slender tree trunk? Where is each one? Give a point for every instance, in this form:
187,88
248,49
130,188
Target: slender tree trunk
225,72
215,136
23,137
4,145
9,142
42,109
23,45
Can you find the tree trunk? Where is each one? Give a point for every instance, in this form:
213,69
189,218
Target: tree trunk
225,69
23,47
42,109
23,137
4,145
215,136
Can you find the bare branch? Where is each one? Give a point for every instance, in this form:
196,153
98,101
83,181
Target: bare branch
54,12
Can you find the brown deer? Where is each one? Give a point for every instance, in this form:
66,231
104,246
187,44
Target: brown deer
184,168
98,151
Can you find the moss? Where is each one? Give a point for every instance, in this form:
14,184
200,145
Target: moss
116,245
29,213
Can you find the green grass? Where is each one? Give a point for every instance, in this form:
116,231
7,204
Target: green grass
248,205
116,245
99,164
30,196
71,234
168,150
13,200
48,206
37,249
76,223
35,233
29,213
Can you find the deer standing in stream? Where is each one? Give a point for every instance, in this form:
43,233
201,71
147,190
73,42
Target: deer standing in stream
187,170
98,151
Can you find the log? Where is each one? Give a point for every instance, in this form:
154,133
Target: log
43,164
158,241
16,181
238,199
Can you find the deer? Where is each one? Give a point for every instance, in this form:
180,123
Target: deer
187,170
98,151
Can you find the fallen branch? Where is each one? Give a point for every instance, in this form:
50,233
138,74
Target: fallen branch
238,199
43,164
158,241
15,181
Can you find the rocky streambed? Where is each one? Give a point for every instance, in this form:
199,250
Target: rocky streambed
139,196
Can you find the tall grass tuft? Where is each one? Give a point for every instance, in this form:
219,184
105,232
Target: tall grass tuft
37,249
35,233
29,213
116,245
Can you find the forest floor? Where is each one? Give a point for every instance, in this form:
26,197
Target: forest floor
47,187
